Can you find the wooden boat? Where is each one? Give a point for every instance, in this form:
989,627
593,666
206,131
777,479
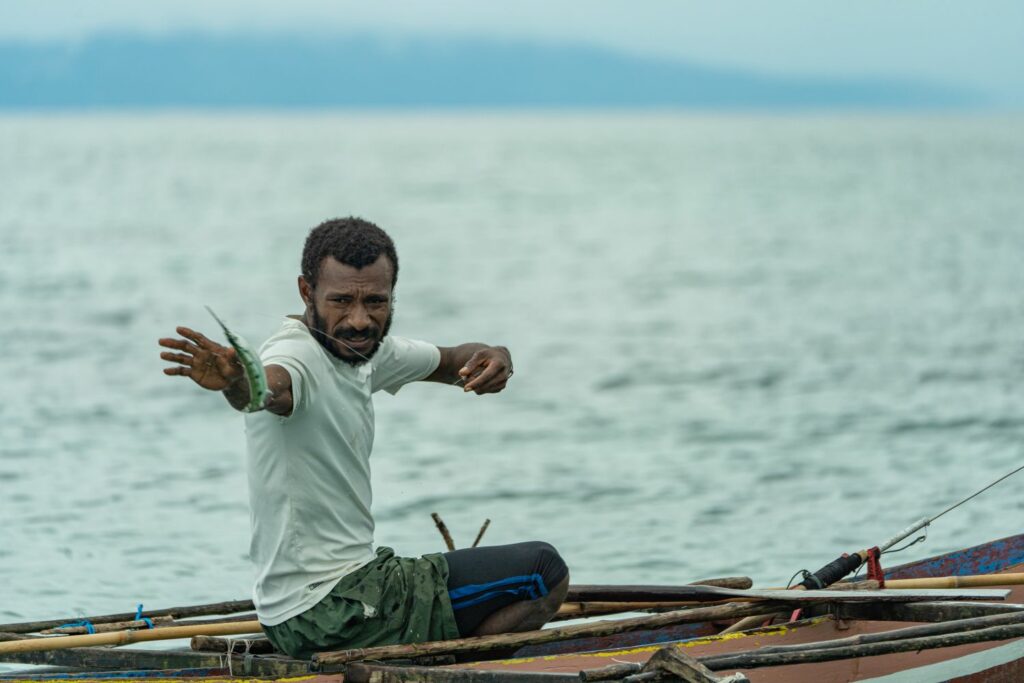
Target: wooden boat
991,660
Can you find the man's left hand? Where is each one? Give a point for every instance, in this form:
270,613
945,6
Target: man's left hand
487,371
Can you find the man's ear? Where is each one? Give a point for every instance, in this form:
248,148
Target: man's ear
305,291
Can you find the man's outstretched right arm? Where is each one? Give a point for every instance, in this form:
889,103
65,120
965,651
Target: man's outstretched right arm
216,368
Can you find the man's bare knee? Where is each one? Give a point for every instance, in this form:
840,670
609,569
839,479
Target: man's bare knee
554,599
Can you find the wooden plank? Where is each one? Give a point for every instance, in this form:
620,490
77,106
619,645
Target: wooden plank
378,673
583,592
101,658
63,674
711,594
755,659
920,611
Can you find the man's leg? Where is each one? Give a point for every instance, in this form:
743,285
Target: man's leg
506,588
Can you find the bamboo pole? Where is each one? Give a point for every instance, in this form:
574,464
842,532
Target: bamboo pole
508,640
971,581
128,637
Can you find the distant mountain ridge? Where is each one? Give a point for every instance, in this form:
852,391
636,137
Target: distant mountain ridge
199,70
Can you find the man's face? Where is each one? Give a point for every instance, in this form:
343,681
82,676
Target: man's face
350,310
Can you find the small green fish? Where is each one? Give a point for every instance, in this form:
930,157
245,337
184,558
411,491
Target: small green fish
259,391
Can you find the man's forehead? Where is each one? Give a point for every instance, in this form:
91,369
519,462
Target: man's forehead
335,274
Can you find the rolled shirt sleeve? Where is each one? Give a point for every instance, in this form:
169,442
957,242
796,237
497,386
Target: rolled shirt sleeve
400,361
299,359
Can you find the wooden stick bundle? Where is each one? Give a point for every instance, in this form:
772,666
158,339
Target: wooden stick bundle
509,640
128,637
972,581
910,632
229,607
754,658
106,628
913,638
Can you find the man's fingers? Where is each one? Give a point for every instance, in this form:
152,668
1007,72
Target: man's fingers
198,338
179,344
472,364
176,357
178,370
493,388
489,372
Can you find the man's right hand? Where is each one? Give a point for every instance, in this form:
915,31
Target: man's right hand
209,364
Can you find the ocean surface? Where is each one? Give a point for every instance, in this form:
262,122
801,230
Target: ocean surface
743,344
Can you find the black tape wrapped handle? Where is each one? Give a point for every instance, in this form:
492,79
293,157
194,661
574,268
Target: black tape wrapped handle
831,572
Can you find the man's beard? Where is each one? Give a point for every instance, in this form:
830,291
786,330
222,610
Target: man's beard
331,341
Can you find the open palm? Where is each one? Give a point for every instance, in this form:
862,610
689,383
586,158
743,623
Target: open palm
209,364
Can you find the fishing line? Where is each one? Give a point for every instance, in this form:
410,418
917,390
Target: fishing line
457,382
955,506
853,562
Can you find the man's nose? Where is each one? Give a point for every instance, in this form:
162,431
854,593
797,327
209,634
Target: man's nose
358,318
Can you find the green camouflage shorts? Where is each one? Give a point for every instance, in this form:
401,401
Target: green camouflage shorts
388,601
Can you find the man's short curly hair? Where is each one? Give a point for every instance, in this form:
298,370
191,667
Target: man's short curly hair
352,241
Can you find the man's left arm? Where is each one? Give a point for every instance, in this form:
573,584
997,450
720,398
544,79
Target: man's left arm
484,369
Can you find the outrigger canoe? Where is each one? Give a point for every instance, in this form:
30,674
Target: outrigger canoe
885,638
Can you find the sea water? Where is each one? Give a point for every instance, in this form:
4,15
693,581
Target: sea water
743,344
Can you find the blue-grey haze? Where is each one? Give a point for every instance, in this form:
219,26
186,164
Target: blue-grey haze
272,71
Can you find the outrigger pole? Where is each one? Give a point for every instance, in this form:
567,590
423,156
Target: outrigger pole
849,563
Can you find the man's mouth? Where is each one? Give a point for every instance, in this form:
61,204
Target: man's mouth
360,343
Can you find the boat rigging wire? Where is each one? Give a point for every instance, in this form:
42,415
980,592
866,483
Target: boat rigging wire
853,562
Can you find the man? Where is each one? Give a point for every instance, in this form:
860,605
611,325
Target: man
320,586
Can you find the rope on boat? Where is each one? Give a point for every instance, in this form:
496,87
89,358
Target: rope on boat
227,659
90,629
139,617
82,622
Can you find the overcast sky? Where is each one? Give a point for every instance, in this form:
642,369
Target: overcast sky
976,44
